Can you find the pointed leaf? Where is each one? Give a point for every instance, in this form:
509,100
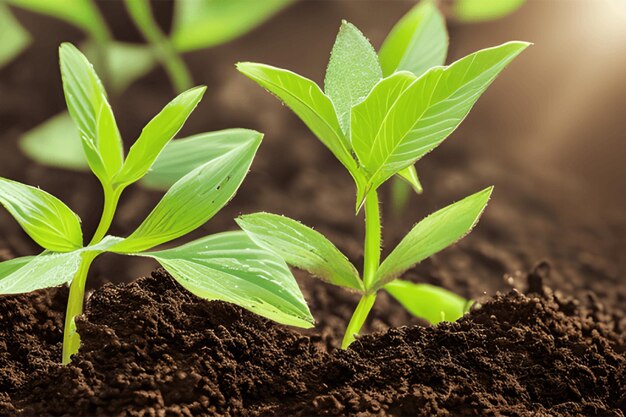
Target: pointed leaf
301,247
433,234
426,112
409,175
45,218
157,133
418,42
352,71
429,302
193,200
182,156
13,37
230,267
44,271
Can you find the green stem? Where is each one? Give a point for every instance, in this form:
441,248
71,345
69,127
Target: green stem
358,319
167,55
371,263
111,198
71,338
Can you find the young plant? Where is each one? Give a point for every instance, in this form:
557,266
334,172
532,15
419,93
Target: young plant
379,114
226,266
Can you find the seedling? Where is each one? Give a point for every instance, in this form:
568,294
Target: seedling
226,266
379,114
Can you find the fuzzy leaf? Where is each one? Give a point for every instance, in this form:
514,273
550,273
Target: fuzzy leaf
193,200
433,234
13,37
157,133
182,156
230,267
418,42
202,24
301,247
425,113
429,302
352,71
43,217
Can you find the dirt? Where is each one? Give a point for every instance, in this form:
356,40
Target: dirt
150,348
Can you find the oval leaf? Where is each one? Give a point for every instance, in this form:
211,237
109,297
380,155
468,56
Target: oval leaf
436,232
46,219
230,267
301,247
193,200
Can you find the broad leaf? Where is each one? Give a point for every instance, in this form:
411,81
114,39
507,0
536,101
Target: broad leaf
301,247
181,156
12,265
55,143
425,113
230,267
44,217
202,24
352,71
429,302
44,271
409,175
193,200
418,42
87,104
157,133
471,11
436,232
13,37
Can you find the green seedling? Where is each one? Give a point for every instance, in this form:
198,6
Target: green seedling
379,114
226,266
195,25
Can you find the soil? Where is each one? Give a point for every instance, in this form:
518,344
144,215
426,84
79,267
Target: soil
547,268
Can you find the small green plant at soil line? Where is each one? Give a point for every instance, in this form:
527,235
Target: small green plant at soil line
226,266
378,126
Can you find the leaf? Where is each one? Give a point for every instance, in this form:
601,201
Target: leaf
409,174
352,71
55,143
436,232
424,114
13,37
229,267
157,133
43,217
12,265
202,24
181,156
471,11
193,200
87,104
429,302
418,42
301,247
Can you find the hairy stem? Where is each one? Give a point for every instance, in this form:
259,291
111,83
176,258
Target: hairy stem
175,67
371,263
71,338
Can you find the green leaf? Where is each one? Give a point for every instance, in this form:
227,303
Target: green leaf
55,143
88,106
409,174
418,42
157,133
193,200
181,156
13,37
301,247
424,114
202,24
308,101
352,71
470,11
433,234
230,267
44,217
12,265
44,271
429,302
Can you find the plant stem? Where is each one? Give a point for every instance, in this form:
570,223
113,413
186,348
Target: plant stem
175,67
111,198
358,319
370,266
71,338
